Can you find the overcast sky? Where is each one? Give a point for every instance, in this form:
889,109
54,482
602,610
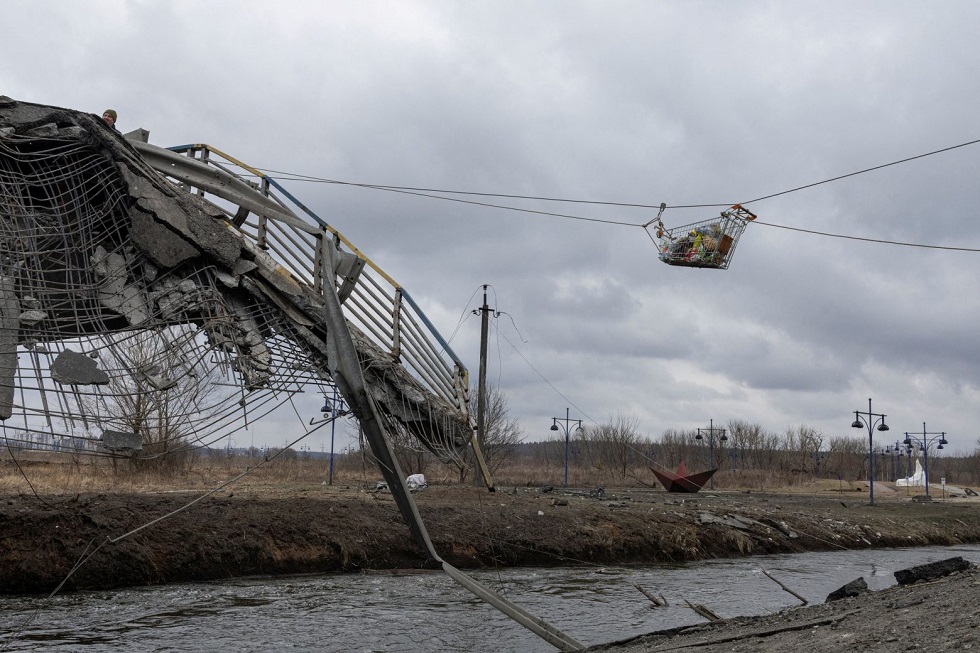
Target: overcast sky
621,102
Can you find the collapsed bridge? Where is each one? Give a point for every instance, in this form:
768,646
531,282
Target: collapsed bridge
135,311
152,299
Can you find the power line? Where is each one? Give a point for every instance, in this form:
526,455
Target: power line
299,177
414,189
404,191
861,172
544,378
870,240
429,193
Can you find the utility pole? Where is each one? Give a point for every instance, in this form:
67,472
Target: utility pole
481,400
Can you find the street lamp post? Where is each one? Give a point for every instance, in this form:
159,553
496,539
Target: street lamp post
891,461
870,420
567,427
710,431
897,451
332,406
927,440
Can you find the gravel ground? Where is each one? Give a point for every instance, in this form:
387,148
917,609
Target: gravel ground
938,615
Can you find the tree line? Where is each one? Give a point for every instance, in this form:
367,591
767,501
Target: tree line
617,453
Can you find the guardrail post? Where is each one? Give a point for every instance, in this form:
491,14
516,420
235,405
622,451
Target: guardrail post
321,271
396,312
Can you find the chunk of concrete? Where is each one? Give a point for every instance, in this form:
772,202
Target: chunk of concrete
119,441
72,368
164,247
32,317
931,571
733,521
856,587
9,324
116,293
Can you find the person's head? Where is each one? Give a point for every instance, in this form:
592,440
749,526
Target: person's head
109,115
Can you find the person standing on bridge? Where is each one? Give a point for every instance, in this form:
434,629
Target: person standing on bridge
109,116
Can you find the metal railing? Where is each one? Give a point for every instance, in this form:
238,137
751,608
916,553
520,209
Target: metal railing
316,254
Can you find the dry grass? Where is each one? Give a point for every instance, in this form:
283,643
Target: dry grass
55,474
58,474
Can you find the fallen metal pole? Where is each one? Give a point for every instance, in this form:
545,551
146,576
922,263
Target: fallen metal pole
785,589
350,379
536,625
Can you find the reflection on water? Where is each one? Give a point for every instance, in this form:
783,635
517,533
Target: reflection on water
429,612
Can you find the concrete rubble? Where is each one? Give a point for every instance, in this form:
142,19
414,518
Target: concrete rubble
162,255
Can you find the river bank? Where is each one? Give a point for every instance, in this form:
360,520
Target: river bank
314,529
939,615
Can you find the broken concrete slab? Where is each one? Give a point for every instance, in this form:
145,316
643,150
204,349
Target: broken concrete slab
856,587
32,317
931,571
10,314
72,368
117,292
164,247
120,442
733,521
782,527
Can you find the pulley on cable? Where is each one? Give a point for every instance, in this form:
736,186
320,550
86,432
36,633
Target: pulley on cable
704,244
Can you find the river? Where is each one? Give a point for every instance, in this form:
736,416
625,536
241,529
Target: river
389,613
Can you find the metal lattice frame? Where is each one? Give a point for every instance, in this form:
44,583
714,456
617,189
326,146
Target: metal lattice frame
109,324
97,338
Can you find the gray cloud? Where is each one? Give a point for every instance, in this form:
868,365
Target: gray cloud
633,102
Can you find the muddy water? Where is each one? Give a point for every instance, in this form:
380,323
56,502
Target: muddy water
428,612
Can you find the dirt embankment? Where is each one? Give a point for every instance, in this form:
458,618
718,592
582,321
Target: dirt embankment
331,529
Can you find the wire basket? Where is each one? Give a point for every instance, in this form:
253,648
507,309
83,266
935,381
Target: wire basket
705,244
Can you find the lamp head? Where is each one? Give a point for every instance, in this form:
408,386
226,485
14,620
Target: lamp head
554,426
907,441
723,438
883,426
856,423
698,436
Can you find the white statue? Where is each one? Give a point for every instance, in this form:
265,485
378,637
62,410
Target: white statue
918,479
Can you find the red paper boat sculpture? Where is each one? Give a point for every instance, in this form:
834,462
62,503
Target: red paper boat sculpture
681,481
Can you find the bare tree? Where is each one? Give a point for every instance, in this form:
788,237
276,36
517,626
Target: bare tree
745,438
617,444
501,433
412,456
803,448
676,447
846,457
155,393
